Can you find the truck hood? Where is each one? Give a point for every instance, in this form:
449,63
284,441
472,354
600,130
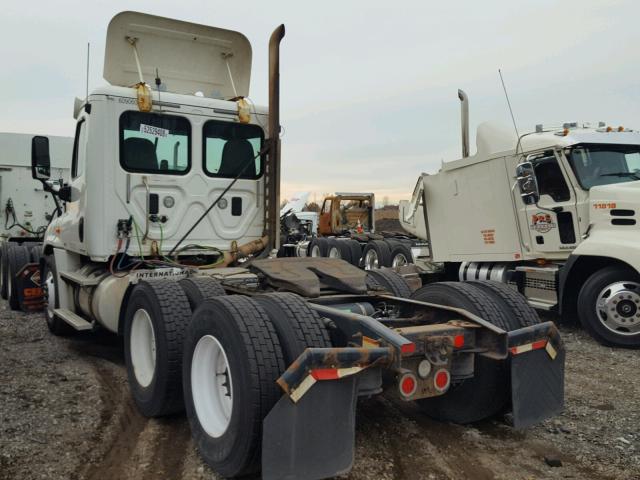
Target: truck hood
616,192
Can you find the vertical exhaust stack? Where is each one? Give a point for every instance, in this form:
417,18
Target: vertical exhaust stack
464,112
272,185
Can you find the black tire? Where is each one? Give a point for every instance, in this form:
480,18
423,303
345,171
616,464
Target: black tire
399,251
593,323
522,314
17,258
297,325
4,269
168,310
198,288
342,246
389,280
56,325
255,361
320,243
381,250
487,393
356,251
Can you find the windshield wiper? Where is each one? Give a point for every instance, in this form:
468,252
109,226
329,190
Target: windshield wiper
622,174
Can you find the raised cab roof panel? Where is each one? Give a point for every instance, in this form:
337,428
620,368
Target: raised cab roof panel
189,57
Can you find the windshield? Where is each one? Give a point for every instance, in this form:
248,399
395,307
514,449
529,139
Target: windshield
600,164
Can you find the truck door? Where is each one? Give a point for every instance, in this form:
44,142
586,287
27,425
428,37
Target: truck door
324,225
552,224
72,223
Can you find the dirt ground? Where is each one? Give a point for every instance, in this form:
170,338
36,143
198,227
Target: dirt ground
66,413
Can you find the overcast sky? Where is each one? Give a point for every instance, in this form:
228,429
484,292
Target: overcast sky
368,88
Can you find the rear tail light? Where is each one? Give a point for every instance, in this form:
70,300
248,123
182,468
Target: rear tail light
408,347
442,380
458,341
408,384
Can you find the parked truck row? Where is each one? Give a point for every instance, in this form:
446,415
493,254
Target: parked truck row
168,235
346,230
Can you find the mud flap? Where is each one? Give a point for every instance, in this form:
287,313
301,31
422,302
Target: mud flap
30,294
314,438
537,386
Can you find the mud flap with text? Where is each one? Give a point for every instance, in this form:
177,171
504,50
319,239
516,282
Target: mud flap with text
314,438
537,386
30,295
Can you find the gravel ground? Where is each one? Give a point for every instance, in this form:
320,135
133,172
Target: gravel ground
66,414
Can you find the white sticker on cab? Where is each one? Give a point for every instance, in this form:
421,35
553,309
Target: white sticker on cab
154,131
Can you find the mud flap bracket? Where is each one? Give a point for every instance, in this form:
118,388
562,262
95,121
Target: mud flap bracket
314,438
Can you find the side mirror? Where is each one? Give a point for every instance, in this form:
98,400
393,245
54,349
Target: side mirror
40,161
527,183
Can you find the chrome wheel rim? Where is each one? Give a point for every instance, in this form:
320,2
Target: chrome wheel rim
618,308
142,345
399,260
51,293
211,386
315,251
334,252
371,260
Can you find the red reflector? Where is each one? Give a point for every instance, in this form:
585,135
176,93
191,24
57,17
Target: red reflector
325,373
442,380
408,385
408,348
458,341
539,344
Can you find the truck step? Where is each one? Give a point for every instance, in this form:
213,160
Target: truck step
76,321
79,279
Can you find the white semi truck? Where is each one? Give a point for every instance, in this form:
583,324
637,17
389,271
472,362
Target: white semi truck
170,219
554,213
25,207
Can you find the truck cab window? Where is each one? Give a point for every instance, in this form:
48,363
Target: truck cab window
604,164
154,143
550,179
229,147
79,150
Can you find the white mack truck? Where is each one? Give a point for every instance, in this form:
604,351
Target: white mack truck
554,213
168,236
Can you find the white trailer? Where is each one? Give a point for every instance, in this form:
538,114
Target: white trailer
26,208
553,213
171,217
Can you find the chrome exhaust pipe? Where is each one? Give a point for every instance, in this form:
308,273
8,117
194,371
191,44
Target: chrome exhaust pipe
464,112
272,183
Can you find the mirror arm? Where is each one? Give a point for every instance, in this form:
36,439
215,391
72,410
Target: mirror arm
54,195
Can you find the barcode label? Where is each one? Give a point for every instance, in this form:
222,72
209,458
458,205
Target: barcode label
155,131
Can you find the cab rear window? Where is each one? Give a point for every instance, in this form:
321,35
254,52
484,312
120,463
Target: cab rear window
231,148
155,143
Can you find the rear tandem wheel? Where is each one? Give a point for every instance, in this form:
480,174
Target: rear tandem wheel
232,359
487,393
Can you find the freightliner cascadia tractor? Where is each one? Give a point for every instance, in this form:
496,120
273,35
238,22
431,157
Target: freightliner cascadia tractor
169,238
553,213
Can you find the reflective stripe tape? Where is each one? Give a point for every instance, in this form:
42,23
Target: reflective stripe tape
320,374
537,345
